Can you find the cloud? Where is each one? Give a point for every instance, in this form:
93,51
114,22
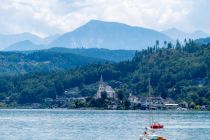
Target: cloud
44,17
199,17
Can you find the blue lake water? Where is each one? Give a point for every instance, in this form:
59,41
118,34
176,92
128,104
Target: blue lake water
99,125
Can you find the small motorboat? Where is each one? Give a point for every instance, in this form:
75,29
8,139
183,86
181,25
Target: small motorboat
149,135
156,125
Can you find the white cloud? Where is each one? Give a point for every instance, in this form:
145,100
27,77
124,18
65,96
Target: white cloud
45,17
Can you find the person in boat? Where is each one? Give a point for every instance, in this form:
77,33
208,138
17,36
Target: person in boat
145,133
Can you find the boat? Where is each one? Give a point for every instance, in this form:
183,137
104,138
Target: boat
149,133
156,125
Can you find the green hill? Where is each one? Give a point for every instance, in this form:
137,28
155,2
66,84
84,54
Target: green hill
106,54
176,71
57,59
13,63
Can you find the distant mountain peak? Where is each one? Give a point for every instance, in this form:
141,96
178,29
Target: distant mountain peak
110,35
25,42
175,33
24,45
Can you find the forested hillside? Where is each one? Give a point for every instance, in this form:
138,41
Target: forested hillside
176,71
106,54
14,63
57,59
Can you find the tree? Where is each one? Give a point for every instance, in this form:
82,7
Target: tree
127,104
120,95
104,95
59,87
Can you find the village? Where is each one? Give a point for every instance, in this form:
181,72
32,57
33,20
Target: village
107,98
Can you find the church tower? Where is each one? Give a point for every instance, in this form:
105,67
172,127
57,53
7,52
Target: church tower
101,88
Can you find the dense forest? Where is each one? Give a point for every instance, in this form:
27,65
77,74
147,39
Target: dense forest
180,72
14,63
57,59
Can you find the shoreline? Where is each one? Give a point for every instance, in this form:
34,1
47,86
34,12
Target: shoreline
98,109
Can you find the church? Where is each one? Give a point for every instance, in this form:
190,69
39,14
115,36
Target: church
103,87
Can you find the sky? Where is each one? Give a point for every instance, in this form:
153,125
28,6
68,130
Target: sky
48,17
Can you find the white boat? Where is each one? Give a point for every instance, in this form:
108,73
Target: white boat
149,134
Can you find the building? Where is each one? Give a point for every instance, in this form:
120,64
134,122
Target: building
170,104
153,103
104,88
73,92
133,99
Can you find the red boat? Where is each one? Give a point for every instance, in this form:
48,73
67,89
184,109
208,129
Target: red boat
156,126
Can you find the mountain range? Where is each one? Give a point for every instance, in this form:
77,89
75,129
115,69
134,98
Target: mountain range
97,34
25,45
24,41
7,40
177,34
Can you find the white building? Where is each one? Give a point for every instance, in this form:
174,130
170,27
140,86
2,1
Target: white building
105,88
133,99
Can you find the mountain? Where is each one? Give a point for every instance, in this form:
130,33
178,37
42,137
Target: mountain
94,34
109,35
180,35
41,61
7,40
199,34
24,46
50,38
106,54
204,41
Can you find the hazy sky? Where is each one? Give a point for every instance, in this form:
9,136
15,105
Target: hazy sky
44,17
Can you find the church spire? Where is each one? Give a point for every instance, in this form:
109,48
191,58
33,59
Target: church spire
101,79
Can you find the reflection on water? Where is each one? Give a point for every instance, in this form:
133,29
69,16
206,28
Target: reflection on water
99,125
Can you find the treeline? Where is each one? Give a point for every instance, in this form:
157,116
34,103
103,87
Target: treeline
14,63
57,59
180,72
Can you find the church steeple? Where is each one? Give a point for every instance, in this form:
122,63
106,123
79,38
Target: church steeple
101,79
103,87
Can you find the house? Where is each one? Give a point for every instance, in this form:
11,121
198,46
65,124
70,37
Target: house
48,100
133,99
170,104
73,92
153,103
35,105
61,99
183,104
135,102
104,88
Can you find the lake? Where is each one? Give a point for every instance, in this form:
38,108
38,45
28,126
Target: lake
16,124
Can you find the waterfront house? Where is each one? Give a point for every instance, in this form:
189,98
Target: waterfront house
153,103
73,92
183,104
133,99
48,100
170,104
